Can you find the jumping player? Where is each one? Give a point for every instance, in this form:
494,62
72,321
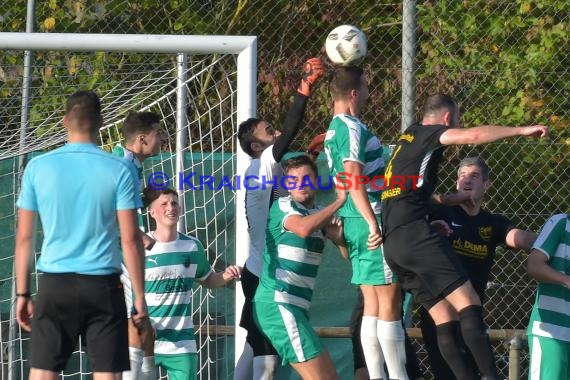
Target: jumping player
353,150
424,261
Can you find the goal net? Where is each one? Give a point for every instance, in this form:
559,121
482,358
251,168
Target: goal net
201,87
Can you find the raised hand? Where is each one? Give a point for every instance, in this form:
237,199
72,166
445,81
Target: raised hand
313,69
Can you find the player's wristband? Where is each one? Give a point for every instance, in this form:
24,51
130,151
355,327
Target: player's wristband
24,295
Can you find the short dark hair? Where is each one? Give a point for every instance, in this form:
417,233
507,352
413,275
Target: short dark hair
476,161
298,161
438,103
345,79
139,122
245,134
150,195
85,108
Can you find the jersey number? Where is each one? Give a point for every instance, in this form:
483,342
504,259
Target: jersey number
388,173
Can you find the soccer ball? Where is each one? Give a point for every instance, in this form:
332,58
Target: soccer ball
346,45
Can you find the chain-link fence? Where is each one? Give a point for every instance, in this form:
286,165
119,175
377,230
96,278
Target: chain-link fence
506,62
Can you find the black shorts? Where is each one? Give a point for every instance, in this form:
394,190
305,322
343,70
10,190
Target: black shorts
355,327
424,262
255,338
70,305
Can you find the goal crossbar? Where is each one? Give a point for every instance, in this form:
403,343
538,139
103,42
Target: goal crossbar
139,43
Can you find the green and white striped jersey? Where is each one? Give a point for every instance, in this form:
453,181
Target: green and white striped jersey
550,315
126,154
290,263
348,139
170,271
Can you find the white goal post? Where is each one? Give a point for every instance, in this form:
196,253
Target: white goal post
244,47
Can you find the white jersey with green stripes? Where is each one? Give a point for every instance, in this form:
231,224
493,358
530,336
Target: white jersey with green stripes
290,262
129,156
170,271
348,139
550,315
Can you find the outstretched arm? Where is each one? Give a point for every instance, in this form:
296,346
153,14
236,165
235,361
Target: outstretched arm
313,70
489,133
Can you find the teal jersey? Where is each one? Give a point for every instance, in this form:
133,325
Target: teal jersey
170,271
77,191
290,262
348,139
550,315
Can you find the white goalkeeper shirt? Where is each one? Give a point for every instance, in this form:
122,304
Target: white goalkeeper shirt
265,172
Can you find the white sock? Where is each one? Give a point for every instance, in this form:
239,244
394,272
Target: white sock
371,348
244,366
148,369
264,367
391,336
136,359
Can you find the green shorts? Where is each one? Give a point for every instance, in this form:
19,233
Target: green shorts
368,267
288,329
179,367
549,358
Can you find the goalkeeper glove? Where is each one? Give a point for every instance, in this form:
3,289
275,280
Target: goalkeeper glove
316,146
313,70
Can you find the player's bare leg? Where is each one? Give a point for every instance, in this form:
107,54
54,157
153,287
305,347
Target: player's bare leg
42,374
107,376
319,368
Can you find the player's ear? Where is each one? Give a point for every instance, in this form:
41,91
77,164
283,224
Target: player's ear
151,212
256,147
65,121
447,119
487,184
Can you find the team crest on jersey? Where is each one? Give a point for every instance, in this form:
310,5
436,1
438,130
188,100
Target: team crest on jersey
187,261
485,232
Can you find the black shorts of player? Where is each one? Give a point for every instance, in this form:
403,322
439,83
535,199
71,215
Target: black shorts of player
70,305
355,327
255,338
424,262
